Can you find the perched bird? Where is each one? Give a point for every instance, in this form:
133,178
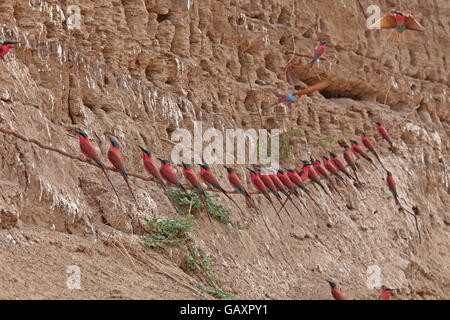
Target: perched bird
356,148
89,151
270,187
383,133
298,181
283,178
261,187
193,180
151,167
339,164
328,164
116,159
210,180
169,175
281,188
321,170
314,176
402,24
237,185
369,145
337,295
350,161
318,52
386,294
392,187
5,46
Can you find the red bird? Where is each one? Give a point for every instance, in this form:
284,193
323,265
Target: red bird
169,175
151,167
261,187
318,52
369,145
89,151
356,148
339,164
270,186
297,180
321,170
332,169
286,182
350,161
193,180
386,294
210,180
312,174
116,159
392,187
5,46
237,185
281,188
337,295
383,133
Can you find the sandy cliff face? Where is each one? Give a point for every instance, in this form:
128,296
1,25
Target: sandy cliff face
138,70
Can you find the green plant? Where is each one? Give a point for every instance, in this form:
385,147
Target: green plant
184,205
168,231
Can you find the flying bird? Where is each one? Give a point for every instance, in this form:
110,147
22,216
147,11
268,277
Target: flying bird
116,159
402,25
89,151
290,98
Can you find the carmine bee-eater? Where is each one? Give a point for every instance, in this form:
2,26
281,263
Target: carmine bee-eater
386,294
392,187
314,176
356,148
318,52
169,175
321,171
193,180
339,164
286,181
116,159
369,145
383,133
337,295
5,46
281,188
89,151
210,180
151,167
290,98
328,164
270,187
402,24
350,161
261,187
297,180
237,185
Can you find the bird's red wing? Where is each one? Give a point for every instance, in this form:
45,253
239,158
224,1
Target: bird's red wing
412,23
317,86
191,178
115,159
388,21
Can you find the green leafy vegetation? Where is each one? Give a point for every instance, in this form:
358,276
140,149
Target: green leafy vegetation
184,205
168,231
